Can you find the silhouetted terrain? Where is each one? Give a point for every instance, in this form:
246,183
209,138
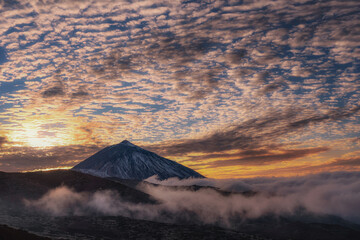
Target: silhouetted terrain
100,227
15,187
8,233
32,185
287,228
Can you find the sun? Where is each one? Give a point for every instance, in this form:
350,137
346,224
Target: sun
33,137
41,142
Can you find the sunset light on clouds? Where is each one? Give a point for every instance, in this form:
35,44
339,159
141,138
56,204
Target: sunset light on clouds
230,89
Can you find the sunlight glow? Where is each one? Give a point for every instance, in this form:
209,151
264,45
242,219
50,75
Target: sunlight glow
47,169
33,137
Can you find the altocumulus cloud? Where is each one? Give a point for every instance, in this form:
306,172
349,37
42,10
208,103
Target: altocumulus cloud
258,132
209,76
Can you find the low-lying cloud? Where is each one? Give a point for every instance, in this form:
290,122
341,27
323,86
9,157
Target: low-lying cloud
324,194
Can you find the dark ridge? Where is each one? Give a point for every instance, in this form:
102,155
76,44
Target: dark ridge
33,185
8,233
123,228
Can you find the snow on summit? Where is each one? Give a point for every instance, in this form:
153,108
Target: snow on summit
128,161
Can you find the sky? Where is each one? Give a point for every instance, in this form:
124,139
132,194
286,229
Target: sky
231,89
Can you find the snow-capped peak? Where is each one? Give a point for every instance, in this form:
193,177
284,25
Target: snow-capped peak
127,143
128,161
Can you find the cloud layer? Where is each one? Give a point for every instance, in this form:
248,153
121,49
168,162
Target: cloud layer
335,194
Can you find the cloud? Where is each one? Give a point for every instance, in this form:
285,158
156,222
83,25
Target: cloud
177,51
336,114
61,201
189,72
253,157
64,201
347,162
28,158
320,195
3,140
271,87
3,55
327,193
53,92
236,56
285,155
254,133
81,93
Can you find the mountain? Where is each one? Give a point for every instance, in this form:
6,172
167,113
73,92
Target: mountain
128,161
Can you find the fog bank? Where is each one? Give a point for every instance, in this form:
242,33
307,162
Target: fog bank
323,194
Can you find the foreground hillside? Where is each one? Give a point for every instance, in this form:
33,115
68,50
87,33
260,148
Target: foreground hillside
8,233
17,186
122,228
126,221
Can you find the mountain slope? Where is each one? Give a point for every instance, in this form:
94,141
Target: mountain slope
32,185
128,161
